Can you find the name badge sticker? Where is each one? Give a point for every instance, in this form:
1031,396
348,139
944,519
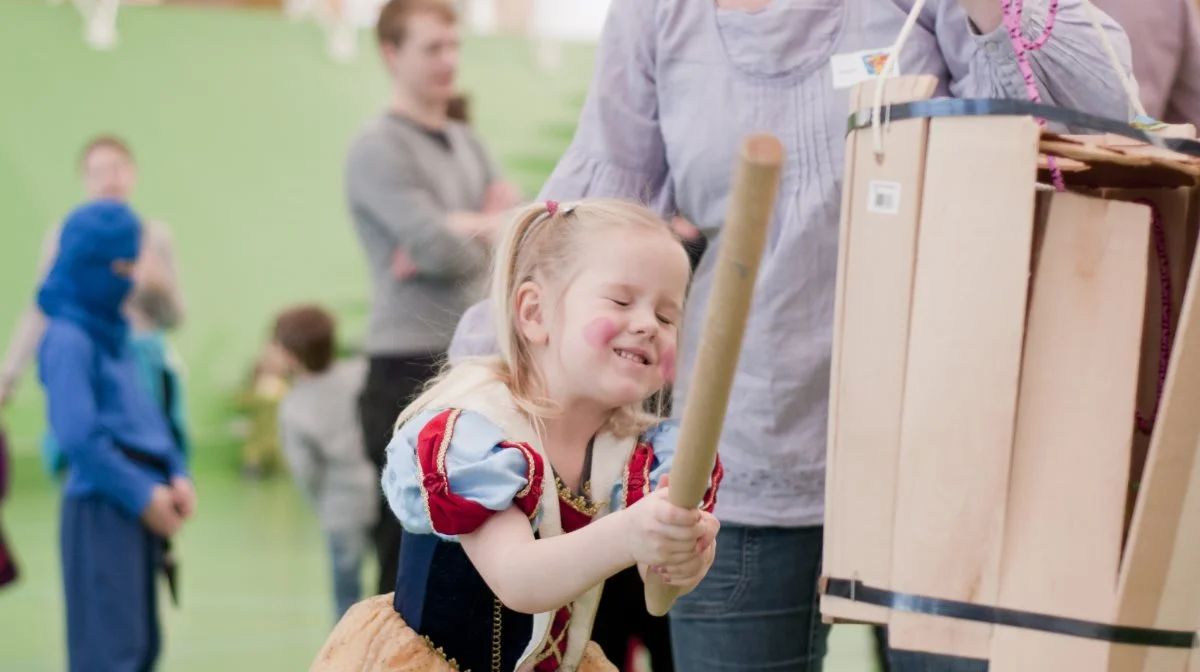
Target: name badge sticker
858,67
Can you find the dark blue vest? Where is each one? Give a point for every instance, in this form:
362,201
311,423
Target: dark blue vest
440,595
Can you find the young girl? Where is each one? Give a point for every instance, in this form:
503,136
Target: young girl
503,471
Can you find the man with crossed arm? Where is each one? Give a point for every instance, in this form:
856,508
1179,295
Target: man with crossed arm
426,199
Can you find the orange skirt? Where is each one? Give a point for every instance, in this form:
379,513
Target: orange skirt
372,637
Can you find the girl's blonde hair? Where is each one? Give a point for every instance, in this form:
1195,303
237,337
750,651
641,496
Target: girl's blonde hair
544,243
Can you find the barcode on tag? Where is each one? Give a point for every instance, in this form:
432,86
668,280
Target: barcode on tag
883,197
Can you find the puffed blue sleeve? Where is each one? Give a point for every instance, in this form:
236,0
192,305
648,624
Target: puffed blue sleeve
449,470
651,460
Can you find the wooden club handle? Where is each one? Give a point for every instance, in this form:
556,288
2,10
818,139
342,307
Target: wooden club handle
743,238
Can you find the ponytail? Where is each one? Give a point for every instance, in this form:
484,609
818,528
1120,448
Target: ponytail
505,270
542,243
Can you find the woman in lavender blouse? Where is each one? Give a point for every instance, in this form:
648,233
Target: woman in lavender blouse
677,85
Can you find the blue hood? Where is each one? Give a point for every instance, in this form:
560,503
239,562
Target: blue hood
82,286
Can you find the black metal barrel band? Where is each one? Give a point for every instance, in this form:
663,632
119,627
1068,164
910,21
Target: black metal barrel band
1003,107
855,590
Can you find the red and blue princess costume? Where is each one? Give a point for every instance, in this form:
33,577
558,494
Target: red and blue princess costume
450,468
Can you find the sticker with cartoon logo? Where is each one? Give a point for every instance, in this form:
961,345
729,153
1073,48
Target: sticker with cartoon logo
854,68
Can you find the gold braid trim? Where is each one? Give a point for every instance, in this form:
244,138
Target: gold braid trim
442,654
581,503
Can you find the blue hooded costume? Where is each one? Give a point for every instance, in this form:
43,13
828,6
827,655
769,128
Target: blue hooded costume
116,441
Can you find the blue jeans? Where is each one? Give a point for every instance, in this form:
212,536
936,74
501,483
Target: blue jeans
347,548
757,607
913,661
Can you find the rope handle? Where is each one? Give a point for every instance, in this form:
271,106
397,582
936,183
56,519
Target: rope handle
1013,10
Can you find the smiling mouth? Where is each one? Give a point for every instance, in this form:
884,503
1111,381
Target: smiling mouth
632,356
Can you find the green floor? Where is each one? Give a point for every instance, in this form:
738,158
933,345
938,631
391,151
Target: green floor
254,588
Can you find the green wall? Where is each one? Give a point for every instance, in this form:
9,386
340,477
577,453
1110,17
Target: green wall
240,125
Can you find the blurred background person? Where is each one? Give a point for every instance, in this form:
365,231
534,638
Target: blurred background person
425,197
153,308
127,490
322,443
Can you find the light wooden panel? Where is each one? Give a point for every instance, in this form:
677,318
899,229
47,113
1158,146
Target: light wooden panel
1063,528
877,259
966,334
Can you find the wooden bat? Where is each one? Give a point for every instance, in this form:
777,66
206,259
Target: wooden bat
743,237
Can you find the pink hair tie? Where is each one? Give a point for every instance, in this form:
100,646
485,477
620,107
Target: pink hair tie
552,207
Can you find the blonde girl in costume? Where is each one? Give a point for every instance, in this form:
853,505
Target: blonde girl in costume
524,480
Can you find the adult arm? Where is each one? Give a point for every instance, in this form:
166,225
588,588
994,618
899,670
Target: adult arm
618,148
66,363
382,183
1072,70
31,325
158,295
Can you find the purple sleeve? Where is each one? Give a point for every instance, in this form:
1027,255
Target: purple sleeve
1072,70
618,148
475,335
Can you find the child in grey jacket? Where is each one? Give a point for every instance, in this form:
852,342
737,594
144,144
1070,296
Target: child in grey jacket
322,442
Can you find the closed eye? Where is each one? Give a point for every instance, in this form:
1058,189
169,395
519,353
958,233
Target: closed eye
665,320
623,304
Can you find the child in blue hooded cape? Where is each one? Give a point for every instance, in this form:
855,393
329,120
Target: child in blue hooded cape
127,488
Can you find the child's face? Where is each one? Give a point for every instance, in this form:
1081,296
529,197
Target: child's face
611,337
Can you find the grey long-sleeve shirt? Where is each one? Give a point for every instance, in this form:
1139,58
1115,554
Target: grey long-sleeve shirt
679,83
322,442
401,183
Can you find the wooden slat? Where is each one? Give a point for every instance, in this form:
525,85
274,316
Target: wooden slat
1174,207
876,273
966,334
1159,583
828,547
1092,151
1063,528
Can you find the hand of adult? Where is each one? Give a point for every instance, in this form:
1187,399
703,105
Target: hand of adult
403,267
684,229
500,196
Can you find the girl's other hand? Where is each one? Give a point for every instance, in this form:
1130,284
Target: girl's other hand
688,574
403,267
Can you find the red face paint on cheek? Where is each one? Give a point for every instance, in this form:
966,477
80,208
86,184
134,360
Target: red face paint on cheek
600,332
666,365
